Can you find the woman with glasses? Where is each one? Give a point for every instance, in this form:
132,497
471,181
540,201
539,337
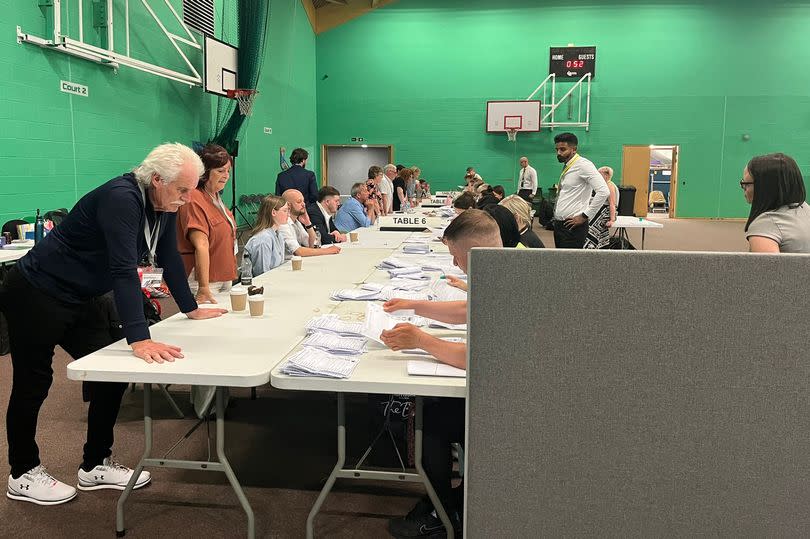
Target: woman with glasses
779,221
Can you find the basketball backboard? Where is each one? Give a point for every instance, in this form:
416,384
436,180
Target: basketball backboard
221,72
520,116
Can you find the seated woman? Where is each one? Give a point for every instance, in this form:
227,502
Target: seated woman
498,192
523,216
779,221
510,236
266,247
206,229
463,202
486,196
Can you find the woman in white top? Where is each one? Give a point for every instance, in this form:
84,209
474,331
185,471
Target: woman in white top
779,221
266,247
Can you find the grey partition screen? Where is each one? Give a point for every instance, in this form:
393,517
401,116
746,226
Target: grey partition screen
639,394
345,165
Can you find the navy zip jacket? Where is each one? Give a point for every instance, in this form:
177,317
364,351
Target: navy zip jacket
97,248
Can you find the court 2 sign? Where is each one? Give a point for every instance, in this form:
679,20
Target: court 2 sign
73,88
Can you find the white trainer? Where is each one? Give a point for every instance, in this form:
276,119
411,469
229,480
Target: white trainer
110,474
39,487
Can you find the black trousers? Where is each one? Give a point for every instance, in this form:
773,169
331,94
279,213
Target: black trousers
37,323
569,239
526,194
443,424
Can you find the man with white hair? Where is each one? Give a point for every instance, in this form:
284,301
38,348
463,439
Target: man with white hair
51,297
387,188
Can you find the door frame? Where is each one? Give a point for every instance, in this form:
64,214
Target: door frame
325,151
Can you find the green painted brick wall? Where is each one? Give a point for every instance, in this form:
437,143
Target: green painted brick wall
417,74
55,147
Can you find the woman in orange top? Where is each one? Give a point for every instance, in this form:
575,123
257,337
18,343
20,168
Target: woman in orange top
206,229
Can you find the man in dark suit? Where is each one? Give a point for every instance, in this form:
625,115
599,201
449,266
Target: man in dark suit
322,213
298,177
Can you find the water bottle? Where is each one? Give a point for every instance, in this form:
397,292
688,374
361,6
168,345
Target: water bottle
317,244
247,270
39,228
406,206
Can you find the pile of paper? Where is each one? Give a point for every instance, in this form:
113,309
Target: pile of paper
416,248
331,323
419,351
377,320
383,294
433,368
314,362
335,344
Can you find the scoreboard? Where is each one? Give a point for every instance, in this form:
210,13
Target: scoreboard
572,62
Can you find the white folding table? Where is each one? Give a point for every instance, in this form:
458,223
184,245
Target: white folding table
237,350
16,252
623,222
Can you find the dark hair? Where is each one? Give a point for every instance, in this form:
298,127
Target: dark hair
327,191
298,156
374,171
568,138
470,169
510,235
471,224
777,182
498,190
464,201
212,156
400,167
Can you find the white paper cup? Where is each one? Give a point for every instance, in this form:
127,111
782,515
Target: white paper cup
256,305
239,296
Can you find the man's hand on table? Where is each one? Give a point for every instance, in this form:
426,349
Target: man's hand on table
203,314
403,337
155,352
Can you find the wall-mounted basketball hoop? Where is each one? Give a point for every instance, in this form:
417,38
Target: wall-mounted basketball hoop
245,98
511,134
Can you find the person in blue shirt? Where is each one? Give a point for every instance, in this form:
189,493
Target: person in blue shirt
266,247
355,212
52,297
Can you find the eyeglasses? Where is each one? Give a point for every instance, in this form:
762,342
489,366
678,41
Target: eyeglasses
743,183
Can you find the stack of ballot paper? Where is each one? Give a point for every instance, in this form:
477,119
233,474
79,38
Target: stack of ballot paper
377,320
394,262
331,323
416,248
335,344
384,294
314,362
412,273
441,291
419,351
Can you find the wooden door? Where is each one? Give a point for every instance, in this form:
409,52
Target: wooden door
673,182
636,172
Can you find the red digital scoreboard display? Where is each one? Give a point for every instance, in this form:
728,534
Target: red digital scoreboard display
572,62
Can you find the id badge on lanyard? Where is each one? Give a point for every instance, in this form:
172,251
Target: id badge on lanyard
151,275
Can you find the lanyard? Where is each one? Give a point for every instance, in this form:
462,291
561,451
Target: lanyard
151,235
569,165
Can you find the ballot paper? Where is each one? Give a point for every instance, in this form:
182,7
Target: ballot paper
426,367
440,290
416,248
384,294
335,344
377,321
331,323
393,262
314,362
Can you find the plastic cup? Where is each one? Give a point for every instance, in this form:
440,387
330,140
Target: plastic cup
297,263
256,305
354,237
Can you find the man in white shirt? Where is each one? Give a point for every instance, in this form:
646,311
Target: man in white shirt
575,206
387,188
299,232
527,186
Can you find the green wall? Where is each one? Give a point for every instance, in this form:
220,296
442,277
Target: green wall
417,74
55,147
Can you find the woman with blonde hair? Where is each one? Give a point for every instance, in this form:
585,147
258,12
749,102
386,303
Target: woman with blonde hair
598,232
523,216
265,248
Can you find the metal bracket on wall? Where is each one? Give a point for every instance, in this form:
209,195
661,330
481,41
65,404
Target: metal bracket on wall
549,107
107,55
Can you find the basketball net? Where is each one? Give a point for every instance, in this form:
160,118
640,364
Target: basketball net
511,134
245,100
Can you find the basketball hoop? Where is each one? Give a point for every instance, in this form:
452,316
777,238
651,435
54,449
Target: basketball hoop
511,134
245,99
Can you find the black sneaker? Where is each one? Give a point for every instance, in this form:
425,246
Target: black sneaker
425,525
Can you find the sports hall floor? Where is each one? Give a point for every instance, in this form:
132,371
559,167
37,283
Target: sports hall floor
271,443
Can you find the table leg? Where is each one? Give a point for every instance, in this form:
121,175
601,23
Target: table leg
330,482
226,466
165,390
120,530
643,230
437,503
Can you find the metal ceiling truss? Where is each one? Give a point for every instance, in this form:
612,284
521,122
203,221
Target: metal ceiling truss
108,56
549,108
